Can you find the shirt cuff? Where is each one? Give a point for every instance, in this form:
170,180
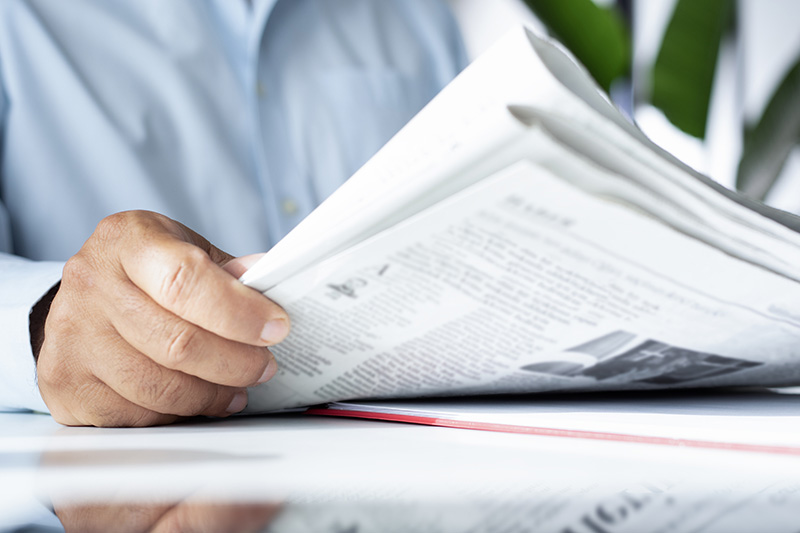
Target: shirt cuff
22,284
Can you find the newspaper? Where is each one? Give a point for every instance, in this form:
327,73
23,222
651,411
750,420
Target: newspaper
520,236
658,506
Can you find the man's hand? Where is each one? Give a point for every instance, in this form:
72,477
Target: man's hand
149,325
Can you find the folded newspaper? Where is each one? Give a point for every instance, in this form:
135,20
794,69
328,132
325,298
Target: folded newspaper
520,235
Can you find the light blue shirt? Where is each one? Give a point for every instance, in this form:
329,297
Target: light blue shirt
236,118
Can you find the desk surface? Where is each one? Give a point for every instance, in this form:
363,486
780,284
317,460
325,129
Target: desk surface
342,475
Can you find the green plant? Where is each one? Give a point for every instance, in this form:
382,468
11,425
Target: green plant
683,74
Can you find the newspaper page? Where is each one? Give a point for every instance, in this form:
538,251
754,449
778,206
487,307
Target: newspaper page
643,179
525,283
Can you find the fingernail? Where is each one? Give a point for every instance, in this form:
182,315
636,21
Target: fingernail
271,370
238,403
275,331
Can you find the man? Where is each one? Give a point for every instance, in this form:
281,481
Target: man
126,123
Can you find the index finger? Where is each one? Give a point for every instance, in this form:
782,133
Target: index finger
183,279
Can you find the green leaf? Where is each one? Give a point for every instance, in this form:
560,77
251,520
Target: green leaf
684,69
769,143
596,35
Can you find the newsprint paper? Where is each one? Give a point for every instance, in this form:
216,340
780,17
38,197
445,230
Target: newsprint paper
520,236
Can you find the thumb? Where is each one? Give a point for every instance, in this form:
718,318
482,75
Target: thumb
239,265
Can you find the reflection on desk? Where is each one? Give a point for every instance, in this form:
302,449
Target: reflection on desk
303,473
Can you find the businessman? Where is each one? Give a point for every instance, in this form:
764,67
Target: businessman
125,123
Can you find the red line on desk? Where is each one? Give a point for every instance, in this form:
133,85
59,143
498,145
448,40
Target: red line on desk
553,432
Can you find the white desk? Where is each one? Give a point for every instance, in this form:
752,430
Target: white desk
331,474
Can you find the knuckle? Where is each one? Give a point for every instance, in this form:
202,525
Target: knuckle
78,272
179,278
94,406
60,411
57,374
181,346
114,225
47,376
123,225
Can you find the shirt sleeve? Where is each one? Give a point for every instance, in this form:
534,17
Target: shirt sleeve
22,284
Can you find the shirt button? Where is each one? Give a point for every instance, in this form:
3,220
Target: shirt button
289,207
261,89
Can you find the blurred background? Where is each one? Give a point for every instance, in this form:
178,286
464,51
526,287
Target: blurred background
715,82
